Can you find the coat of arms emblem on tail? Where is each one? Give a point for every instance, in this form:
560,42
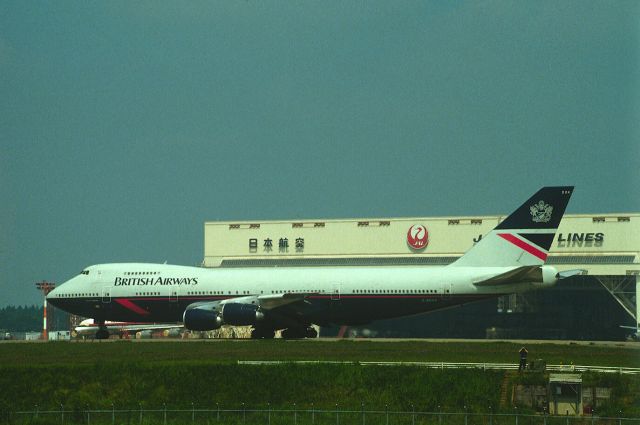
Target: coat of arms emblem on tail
541,212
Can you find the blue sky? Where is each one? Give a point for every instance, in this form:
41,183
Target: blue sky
125,125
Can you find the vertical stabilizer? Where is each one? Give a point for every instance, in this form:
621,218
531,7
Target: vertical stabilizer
524,237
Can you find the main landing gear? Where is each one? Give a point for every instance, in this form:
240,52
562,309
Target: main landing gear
262,333
299,333
289,333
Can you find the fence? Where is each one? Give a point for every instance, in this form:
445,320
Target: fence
293,416
449,365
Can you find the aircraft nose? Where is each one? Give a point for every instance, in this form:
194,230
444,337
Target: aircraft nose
52,297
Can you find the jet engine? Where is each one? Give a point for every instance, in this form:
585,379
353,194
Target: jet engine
238,314
210,316
199,319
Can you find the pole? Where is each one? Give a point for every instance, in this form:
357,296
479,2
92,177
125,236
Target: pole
45,287
45,336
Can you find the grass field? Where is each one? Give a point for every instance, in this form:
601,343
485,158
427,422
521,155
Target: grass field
230,351
130,374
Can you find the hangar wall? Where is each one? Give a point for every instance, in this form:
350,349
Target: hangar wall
585,307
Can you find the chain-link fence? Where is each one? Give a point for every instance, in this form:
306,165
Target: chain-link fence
294,416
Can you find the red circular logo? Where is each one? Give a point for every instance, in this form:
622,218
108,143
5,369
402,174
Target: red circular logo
417,236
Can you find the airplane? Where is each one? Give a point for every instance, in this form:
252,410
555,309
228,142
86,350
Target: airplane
509,259
91,327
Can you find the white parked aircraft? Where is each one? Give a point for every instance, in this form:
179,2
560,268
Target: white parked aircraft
507,260
91,327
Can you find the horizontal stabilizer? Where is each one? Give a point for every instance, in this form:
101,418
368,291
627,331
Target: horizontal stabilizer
568,273
517,275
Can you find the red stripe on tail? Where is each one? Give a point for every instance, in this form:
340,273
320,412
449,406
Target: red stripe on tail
523,245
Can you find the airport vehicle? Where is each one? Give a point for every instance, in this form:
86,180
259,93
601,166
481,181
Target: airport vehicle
92,327
508,259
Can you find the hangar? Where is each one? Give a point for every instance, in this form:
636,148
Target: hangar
592,306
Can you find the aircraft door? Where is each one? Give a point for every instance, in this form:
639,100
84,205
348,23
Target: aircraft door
446,290
106,294
173,294
335,292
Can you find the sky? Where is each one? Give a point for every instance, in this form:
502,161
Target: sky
124,126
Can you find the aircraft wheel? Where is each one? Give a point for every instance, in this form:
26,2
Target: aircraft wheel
102,334
260,333
293,333
311,333
269,334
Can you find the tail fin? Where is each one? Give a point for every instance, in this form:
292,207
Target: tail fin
523,238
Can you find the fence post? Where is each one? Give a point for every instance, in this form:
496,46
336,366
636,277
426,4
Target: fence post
193,413
295,415
313,414
269,414
88,416
164,405
113,414
386,409
413,415
337,415
516,407
218,414
620,417
465,415
363,418
490,415
62,413
593,413
439,415
244,416
140,406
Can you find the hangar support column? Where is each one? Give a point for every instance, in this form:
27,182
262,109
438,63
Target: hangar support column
624,291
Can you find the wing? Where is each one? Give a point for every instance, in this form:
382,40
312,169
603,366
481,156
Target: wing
279,310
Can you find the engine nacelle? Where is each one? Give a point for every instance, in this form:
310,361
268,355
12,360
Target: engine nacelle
197,319
210,316
239,314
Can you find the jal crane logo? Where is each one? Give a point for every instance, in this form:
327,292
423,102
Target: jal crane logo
417,236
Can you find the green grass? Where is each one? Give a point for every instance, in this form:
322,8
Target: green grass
230,351
126,385
129,374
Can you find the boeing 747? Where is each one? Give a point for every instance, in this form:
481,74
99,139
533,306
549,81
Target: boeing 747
509,259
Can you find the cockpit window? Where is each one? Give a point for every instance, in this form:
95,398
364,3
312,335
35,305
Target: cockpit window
84,272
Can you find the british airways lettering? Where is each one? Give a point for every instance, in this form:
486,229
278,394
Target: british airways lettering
141,281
